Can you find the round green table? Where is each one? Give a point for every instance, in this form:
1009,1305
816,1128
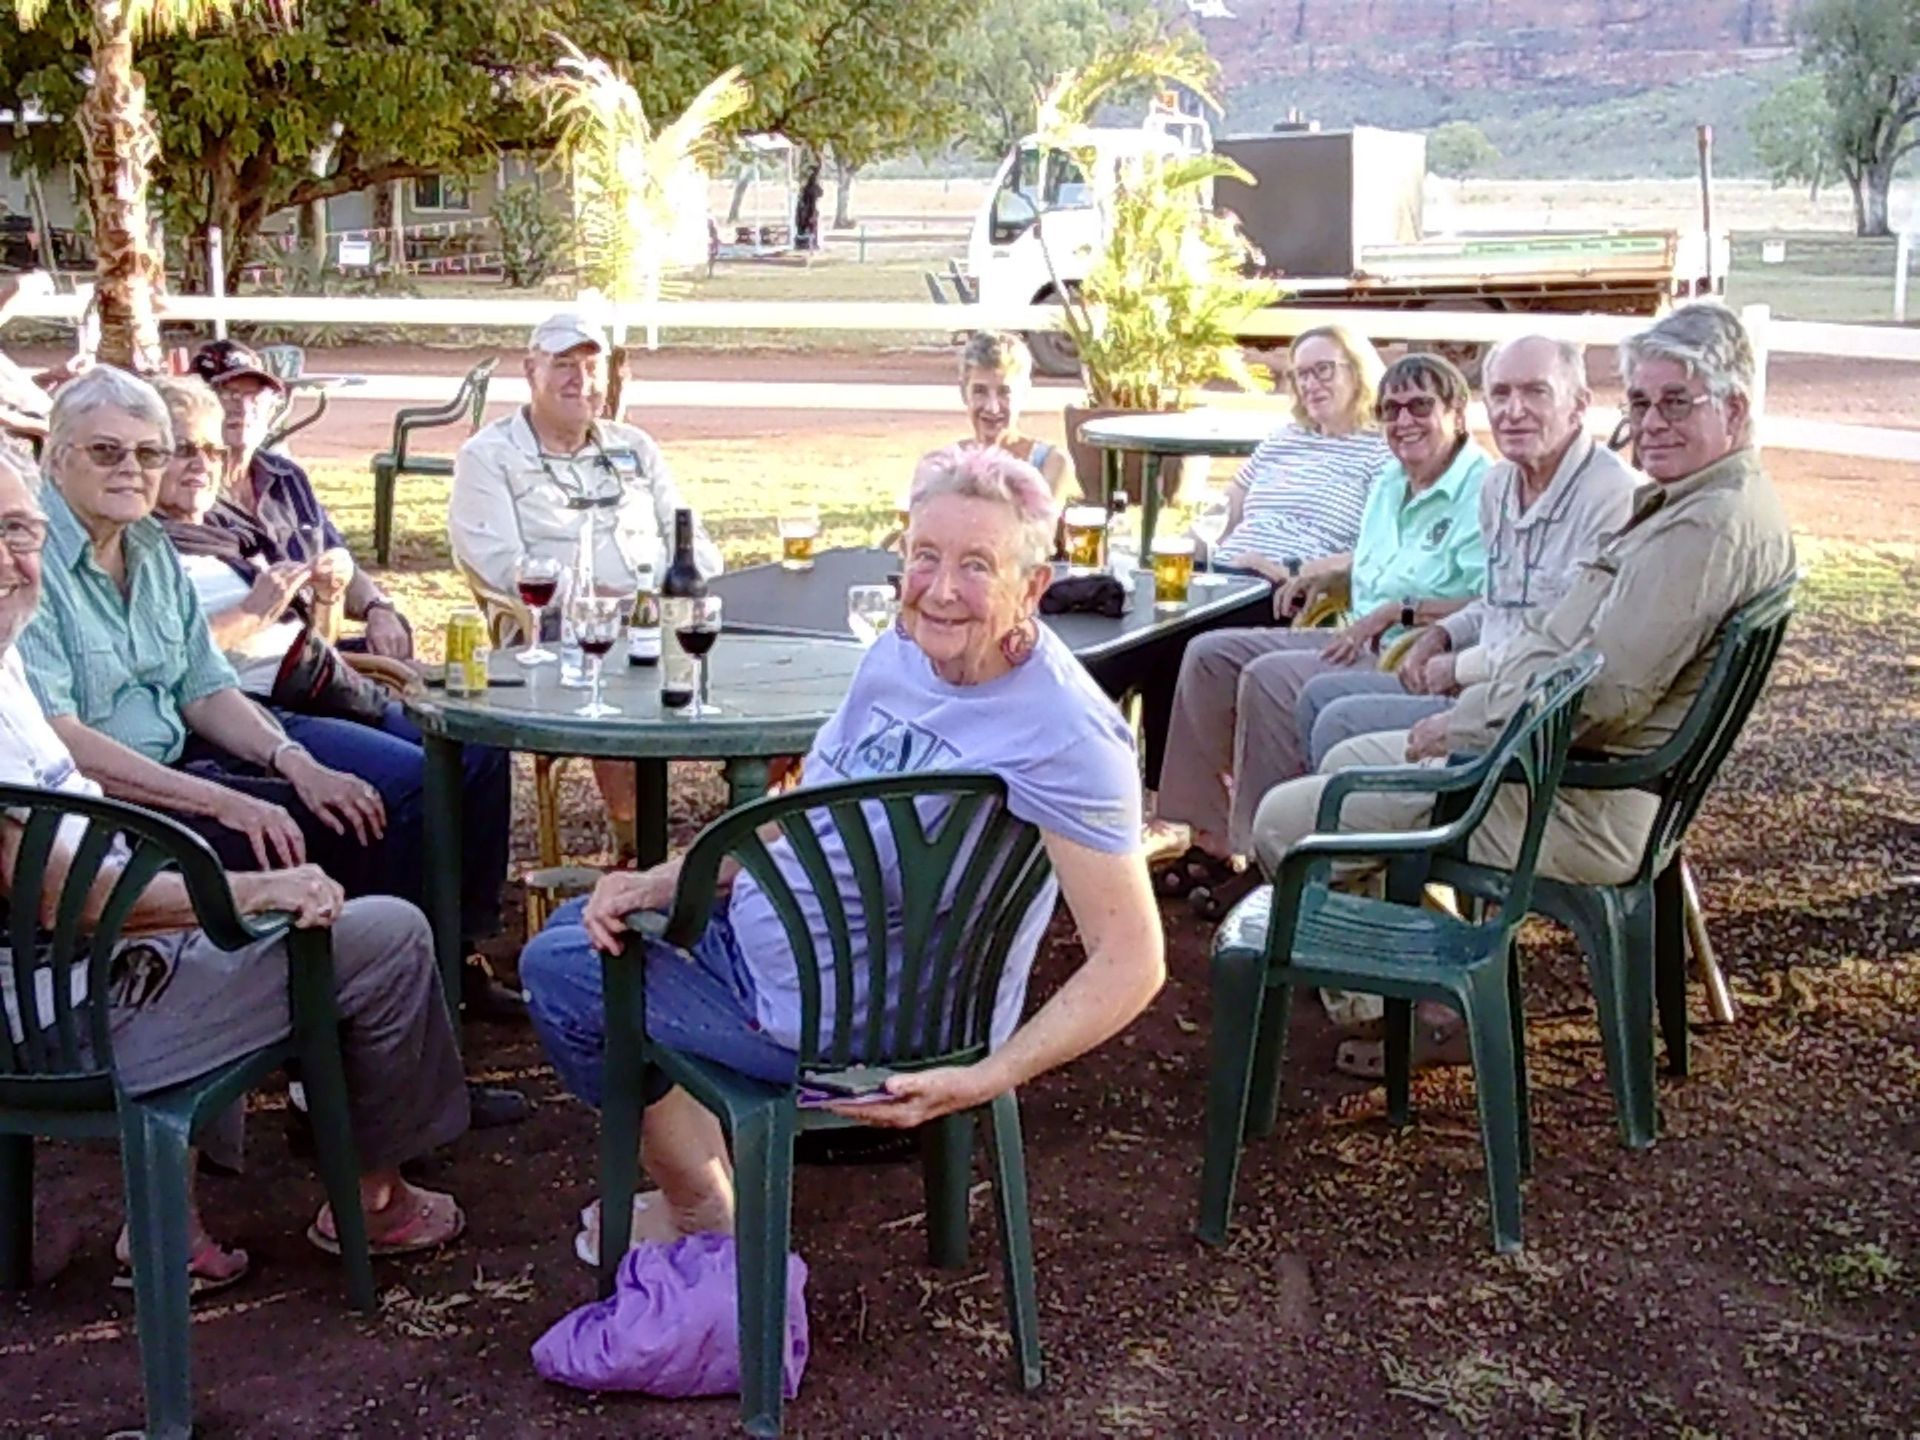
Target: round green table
1164,437
770,694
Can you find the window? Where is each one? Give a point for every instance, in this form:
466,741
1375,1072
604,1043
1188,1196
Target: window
1066,185
441,192
1016,204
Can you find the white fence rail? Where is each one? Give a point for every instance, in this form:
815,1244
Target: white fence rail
1770,336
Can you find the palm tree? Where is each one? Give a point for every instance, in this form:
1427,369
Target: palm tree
626,172
121,146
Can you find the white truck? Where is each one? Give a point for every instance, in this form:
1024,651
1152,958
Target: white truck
1337,216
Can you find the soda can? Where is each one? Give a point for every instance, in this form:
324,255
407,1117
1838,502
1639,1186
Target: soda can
467,653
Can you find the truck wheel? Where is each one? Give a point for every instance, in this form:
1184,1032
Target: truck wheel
1054,354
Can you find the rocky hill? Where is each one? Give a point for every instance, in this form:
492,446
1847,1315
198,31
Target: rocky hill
1631,44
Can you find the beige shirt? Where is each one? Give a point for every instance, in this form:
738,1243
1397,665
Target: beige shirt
1650,602
510,500
1533,553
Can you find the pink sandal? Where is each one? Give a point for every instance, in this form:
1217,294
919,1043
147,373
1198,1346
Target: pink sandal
433,1219
211,1267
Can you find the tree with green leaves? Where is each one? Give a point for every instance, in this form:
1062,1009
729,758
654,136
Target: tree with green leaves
1866,54
119,146
1793,133
1460,148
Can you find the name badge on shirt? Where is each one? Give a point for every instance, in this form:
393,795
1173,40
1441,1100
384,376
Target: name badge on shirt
625,463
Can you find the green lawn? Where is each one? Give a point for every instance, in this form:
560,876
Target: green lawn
1822,277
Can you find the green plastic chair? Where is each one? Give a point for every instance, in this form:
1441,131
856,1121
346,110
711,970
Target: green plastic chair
57,1078
967,874
469,401
1301,931
1634,934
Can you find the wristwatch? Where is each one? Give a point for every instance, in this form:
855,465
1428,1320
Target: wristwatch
1407,617
1292,562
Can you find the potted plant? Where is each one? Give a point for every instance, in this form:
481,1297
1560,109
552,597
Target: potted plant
1158,316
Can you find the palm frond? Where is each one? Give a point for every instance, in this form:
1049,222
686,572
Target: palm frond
148,19
1069,103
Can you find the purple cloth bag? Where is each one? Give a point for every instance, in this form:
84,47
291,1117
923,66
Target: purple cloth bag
671,1327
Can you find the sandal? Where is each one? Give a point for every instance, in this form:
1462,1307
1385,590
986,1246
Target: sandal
1211,902
211,1267
1434,1046
433,1219
1193,868
651,1225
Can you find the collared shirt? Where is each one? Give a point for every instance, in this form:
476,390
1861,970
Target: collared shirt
1424,546
1650,602
125,665
509,500
1532,552
290,515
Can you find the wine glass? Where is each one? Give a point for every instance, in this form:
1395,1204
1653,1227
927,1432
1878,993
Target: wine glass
698,630
536,577
870,611
599,623
1210,528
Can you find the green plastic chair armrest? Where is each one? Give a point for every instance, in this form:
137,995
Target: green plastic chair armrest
1460,773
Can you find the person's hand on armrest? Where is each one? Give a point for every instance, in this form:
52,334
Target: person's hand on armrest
305,892
1111,900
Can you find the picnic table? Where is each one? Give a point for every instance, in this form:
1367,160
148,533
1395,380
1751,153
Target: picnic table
1160,438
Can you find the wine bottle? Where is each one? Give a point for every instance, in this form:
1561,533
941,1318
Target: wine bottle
679,671
643,626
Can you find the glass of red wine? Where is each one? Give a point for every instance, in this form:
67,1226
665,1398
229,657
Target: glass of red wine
536,577
599,623
701,628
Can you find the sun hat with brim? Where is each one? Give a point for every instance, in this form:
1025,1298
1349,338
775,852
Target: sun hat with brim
221,362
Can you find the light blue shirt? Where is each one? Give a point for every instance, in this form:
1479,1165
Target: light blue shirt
1427,546
124,664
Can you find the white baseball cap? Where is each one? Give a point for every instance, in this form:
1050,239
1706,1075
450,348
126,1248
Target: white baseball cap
568,330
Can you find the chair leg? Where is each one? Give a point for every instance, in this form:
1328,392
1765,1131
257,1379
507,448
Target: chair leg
383,478
1616,931
337,1158
1238,979
946,1163
16,1212
154,1159
546,792
1269,1058
1490,1032
1719,994
1517,1017
1670,965
1016,1240
1397,1034
763,1187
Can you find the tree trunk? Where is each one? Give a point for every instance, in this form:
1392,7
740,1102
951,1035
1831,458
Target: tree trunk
740,184
121,145
1870,198
843,196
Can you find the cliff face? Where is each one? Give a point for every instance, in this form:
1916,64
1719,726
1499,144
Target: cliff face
1632,43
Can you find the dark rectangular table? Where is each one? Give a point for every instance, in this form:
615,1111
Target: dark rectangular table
1138,652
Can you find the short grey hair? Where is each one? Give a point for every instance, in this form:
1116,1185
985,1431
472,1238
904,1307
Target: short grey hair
1569,360
1000,350
993,474
103,388
1704,338
189,399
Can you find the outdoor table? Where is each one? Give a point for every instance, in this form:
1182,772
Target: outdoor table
1160,438
773,693
1139,651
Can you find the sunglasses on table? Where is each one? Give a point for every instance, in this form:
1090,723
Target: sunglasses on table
1420,407
108,454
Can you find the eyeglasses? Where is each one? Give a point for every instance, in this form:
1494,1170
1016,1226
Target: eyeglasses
206,450
108,454
1321,370
23,534
1421,407
1674,407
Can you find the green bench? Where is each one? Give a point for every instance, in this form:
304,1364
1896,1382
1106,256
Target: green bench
389,465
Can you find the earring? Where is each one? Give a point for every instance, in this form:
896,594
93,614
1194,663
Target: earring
1017,644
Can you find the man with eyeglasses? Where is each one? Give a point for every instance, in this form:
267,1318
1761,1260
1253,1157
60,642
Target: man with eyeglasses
1549,505
1708,536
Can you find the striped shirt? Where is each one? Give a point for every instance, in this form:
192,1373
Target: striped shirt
124,664
1305,493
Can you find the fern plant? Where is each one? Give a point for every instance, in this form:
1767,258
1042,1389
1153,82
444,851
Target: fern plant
1158,315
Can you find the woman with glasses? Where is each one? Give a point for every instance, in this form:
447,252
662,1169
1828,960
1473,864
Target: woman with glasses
1296,504
1418,557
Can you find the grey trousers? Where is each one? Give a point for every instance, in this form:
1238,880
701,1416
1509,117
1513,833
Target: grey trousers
1345,703
182,1007
1234,713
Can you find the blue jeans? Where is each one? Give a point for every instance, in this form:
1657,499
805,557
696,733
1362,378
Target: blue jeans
1346,703
390,758
698,1000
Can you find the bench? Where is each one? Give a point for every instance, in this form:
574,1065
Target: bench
470,401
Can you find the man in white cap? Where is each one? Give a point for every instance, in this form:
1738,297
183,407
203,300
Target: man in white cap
534,481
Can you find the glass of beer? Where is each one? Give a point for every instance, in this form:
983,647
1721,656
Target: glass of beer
799,528
1172,570
1086,536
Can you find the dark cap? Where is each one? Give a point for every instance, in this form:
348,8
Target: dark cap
220,362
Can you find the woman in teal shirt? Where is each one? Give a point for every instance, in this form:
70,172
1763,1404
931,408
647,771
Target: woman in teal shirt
1419,557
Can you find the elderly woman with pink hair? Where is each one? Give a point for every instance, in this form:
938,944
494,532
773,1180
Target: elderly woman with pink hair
968,680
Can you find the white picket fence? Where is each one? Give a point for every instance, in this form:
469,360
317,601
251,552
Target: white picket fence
1866,343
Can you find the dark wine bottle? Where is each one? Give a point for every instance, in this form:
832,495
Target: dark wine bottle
682,585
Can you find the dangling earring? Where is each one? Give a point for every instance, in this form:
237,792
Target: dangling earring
1017,644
